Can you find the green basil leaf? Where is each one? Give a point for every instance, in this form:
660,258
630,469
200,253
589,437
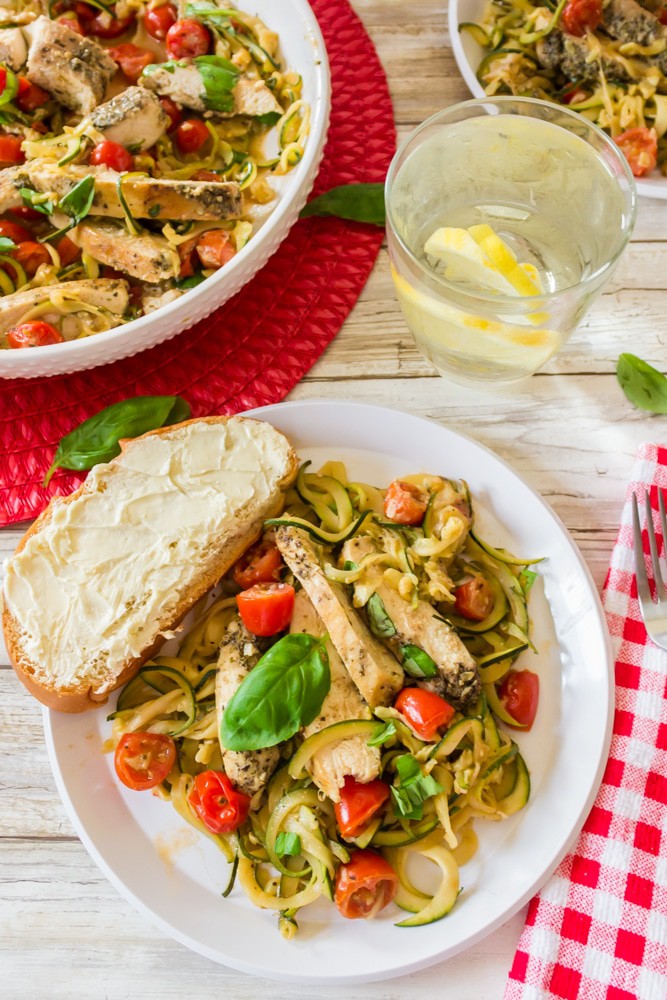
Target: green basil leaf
379,621
219,77
6,244
191,281
40,202
644,385
417,663
288,844
78,202
357,202
413,788
385,734
283,693
96,439
11,86
527,578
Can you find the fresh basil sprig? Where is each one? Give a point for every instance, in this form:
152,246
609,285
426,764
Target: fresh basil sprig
281,694
417,663
356,202
77,203
379,621
643,384
288,844
387,733
413,788
96,439
219,76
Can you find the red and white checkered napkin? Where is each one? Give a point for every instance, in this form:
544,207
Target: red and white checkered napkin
598,929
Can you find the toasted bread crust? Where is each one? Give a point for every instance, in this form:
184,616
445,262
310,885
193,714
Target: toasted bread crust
79,699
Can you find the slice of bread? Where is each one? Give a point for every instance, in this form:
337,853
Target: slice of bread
102,575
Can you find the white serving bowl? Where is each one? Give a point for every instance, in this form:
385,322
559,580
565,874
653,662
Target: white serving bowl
302,50
469,54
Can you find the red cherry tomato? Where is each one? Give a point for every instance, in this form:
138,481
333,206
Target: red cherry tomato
68,251
425,711
72,22
13,231
191,135
640,146
173,110
358,804
266,608
405,503
262,563
36,333
113,155
662,15
186,252
31,255
143,760
215,248
105,26
220,807
27,213
159,20
474,599
365,885
10,150
206,175
187,38
580,16
30,96
132,59
520,693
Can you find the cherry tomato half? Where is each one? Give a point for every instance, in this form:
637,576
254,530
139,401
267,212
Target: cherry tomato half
405,503
266,608
159,20
172,109
262,563
68,251
358,804
365,885
36,333
113,155
640,147
520,693
13,231
474,599
191,135
187,38
27,213
31,255
425,710
10,150
580,16
30,96
104,26
220,807
132,59
215,248
143,760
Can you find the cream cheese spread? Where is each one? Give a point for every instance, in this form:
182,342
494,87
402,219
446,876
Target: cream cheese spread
95,587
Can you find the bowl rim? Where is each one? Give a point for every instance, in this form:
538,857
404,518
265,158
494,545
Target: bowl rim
12,362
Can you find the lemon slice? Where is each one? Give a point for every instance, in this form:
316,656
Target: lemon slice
464,260
503,259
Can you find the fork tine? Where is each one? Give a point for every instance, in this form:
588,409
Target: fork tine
650,530
643,589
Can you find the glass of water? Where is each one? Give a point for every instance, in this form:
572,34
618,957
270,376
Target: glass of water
505,218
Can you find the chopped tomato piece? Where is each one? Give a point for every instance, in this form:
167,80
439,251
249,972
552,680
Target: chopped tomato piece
13,231
71,21
158,20
266,608
580,16
105,26
520,693
187,38
405,503
215,801
30,96
36,333
68,251
10,150
262,563
113,155
574,96
425,710
474,599
365,885
640,146
27,213
206,175
662,15
143,760
132,59
191,135
358,804
186,251
215,248
31,255
173,110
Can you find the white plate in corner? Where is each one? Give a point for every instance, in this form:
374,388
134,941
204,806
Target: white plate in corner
175,877
469,54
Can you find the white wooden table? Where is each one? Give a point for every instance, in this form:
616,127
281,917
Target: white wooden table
64,930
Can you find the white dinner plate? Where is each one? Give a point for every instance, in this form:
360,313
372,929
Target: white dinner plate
175,876
469,54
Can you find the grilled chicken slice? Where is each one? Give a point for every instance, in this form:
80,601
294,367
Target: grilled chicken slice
146,197
574,58
183,83
134,118
105,293
330,766
75,70
629,22
13,48
148,257
376,673
240,651
252,98
419,625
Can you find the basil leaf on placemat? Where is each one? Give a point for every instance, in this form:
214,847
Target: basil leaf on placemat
281,694
96,439
357,202
644,385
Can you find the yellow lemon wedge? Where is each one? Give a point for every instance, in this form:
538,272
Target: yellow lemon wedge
464,260
503,259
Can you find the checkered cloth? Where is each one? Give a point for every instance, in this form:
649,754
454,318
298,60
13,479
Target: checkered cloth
598,928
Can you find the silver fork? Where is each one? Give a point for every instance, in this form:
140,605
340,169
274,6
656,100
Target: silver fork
654,612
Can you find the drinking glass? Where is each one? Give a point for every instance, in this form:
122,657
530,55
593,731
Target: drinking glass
505,218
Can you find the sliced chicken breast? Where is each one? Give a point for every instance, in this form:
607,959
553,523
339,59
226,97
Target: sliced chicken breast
330,766
375,671
184,84
134,118
419,624
239,653
105,293
13,48
75,70
148,257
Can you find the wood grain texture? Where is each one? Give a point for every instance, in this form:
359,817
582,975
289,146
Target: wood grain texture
65,930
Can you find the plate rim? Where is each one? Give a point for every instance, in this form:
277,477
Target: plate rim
556,856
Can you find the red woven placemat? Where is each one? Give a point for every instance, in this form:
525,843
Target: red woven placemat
254,349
